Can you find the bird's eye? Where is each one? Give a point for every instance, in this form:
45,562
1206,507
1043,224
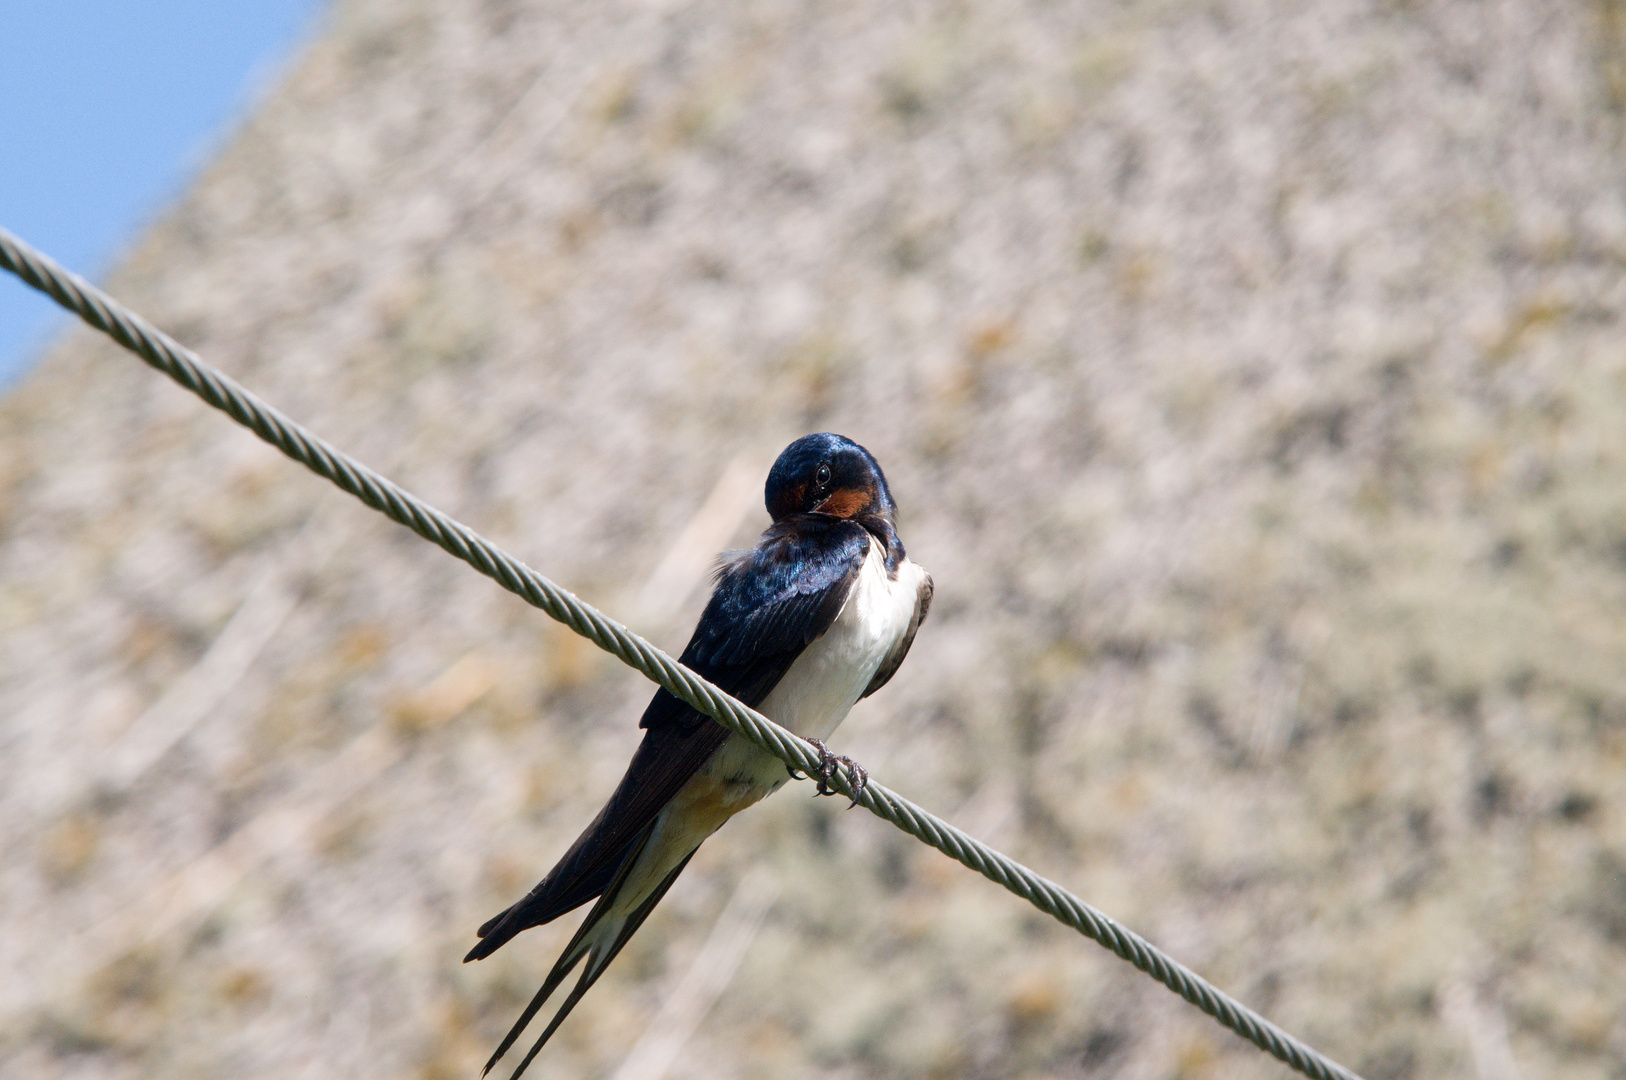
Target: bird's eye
822,477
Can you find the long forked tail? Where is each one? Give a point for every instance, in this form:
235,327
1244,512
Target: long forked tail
598,951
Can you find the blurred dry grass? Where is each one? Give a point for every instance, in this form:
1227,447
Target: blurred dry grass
1251,378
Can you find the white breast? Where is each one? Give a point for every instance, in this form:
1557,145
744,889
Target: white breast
812,699
821,687
826,680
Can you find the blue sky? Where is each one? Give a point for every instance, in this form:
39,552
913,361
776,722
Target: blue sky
107,109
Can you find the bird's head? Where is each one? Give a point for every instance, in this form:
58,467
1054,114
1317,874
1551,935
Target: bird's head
831,475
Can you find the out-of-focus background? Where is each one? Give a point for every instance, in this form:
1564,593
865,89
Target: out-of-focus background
1251,377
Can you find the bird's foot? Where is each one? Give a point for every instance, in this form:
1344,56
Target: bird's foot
827,773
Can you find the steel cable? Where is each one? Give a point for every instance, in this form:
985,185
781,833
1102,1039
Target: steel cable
181,364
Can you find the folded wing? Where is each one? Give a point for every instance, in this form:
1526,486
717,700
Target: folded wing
768,605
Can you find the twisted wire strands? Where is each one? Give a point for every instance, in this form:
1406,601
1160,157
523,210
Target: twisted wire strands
182,365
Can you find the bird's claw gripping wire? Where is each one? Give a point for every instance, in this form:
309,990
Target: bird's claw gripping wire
827,773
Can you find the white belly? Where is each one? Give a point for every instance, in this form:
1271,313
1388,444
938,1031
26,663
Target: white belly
812,699
825,682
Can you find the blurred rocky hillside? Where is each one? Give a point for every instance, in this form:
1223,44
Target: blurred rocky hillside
1251,377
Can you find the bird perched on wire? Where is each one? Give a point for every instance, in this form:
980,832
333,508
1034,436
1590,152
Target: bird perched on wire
818,615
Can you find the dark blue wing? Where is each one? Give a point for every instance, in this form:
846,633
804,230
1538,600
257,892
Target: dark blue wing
768,605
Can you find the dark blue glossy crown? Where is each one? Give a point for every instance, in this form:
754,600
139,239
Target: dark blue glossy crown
830,472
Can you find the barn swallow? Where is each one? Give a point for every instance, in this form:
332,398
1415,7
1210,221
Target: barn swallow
818,615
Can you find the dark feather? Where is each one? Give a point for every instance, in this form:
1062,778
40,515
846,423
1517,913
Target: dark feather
782,595
570,957
767,607
664,762
574,954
